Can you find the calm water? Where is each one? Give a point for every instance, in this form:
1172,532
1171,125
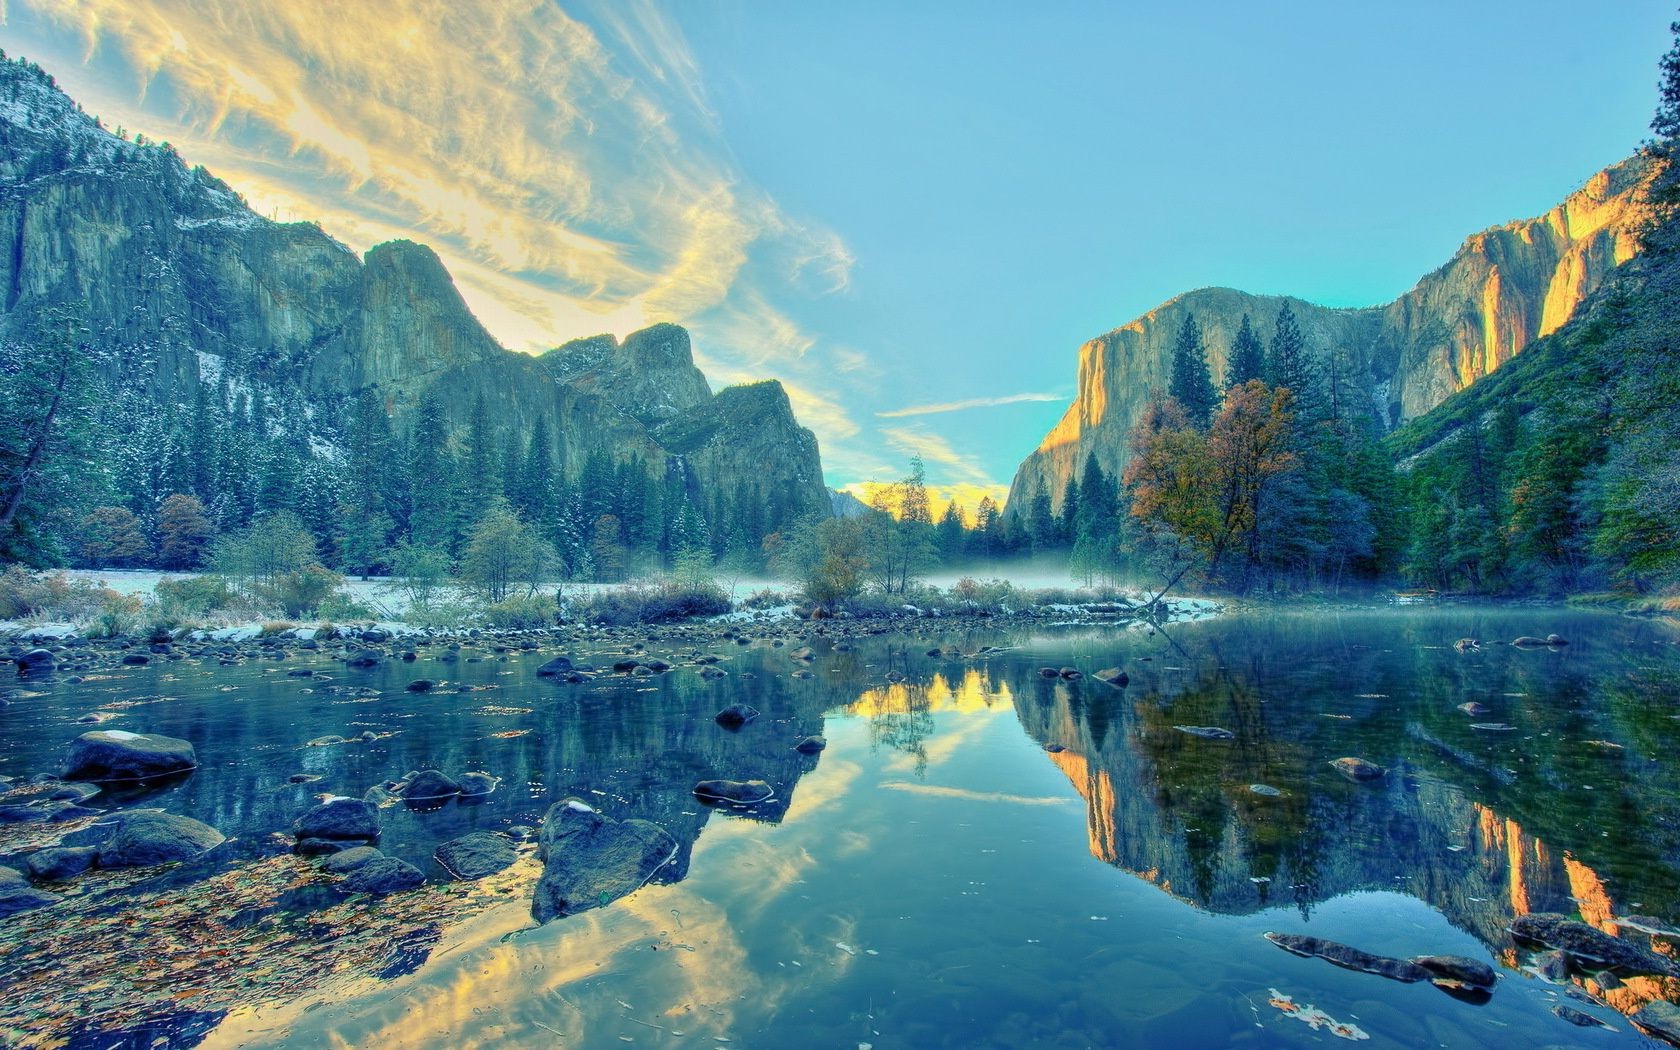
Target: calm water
938,877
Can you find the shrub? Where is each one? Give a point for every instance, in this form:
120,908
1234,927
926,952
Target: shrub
192,596
341,605
765,599
632,605
522,612
119,615
48,595
301,591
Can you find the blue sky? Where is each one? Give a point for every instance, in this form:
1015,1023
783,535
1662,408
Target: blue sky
911,213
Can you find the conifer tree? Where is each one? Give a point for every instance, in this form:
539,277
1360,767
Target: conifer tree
1191,384
1287,365
1248,357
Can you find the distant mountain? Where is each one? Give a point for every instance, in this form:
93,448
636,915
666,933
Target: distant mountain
846,505
1505,287
209,321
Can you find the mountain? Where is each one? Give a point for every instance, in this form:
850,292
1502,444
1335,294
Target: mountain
1504,288
197,309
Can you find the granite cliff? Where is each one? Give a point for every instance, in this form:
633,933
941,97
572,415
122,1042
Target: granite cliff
1504,288
187,294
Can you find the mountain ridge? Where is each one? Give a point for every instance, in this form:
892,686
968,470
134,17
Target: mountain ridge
188,296
1504,287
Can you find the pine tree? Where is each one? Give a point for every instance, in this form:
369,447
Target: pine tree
1660,236
1191,384
1248,357
1287,365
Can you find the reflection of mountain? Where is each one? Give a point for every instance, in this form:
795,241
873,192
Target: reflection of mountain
635,747
1482,825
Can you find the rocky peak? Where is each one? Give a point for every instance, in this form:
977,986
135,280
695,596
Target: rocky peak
650,376
1505,287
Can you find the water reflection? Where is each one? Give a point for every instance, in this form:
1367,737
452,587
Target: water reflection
1570,811
933,833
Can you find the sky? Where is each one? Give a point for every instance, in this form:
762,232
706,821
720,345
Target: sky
912,213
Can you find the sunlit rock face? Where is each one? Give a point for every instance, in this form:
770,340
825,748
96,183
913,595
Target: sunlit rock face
1505,287
189,293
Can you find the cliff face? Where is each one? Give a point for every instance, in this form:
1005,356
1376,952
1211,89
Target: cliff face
184,289
1504,288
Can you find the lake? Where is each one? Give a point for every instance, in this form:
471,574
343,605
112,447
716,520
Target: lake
983,856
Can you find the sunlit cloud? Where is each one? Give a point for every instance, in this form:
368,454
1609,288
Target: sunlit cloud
966,497
934,449
973,402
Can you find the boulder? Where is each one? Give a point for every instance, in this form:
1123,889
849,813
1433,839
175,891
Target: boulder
739,792
1113,676
1350,958
363,659
383,875
477,785
345,861
736,715
1458,969
1661,1018
1473,709
1589,944
150,837
475,856
1071,673
810,745
36,661
421,685
555,667
16,894
112,754
592,860
430,784
1528,642
339,820
57,863
1358,770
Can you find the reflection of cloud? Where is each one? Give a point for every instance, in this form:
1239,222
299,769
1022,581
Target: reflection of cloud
973,402
975,796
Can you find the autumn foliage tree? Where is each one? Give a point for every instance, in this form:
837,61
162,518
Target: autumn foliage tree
1197,499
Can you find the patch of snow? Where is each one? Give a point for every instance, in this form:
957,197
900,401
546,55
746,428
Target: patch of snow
210,367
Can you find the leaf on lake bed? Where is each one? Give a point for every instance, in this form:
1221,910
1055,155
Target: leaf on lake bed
1315,1018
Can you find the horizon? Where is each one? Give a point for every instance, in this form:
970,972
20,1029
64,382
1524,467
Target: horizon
678,165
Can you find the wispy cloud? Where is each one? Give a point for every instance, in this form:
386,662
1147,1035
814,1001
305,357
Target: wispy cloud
578,161
973,402
918,441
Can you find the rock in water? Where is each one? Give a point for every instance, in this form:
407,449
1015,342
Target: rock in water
1207,732
112,754
736,715
1589,944
810,745
1473,709
477,785
17,895
1113,676
475,856
431,785
383,875
339,820
346,861
555,667
1458,969
57,863
1358,770
1349,957
739,792
146,838
1661,1018
36,661
591,859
